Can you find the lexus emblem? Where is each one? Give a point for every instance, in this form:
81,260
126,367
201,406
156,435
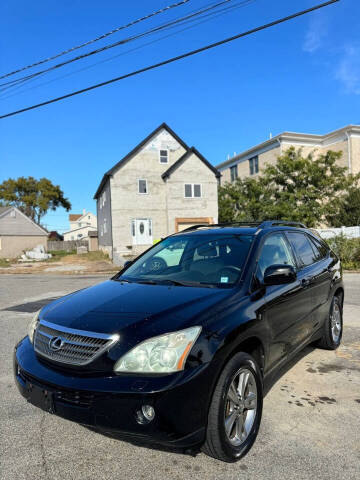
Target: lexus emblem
56,343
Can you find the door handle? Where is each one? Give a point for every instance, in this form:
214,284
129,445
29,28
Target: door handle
305,282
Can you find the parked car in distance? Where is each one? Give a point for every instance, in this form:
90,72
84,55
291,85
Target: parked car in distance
180,353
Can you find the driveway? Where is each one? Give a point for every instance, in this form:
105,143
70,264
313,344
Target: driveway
310,427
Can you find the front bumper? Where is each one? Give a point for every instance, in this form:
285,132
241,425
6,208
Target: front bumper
110,403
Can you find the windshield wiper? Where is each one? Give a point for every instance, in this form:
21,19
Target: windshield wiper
164,282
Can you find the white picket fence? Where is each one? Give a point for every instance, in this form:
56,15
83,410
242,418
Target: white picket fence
349,232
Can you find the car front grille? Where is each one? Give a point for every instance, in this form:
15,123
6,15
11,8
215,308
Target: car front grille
67,345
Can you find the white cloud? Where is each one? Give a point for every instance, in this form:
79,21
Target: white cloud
348,70
315,34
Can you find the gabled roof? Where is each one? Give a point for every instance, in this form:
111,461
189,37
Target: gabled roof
16,228
135,150
74,216
183,158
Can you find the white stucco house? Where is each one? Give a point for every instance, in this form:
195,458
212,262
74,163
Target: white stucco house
80,225
162,186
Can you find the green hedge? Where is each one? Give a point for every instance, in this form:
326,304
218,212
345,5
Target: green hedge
348,249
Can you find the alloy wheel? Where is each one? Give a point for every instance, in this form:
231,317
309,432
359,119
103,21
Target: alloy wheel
335,322
240,407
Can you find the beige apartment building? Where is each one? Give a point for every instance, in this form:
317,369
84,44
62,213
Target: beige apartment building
250,162
162,186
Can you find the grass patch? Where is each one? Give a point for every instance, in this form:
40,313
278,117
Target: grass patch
72,256
97,256
58,255
4,263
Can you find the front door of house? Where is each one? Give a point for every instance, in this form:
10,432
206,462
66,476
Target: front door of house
142,231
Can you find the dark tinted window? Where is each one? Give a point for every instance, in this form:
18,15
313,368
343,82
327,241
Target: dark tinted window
188,190
303,248
197,190
233,173
319,248
142,186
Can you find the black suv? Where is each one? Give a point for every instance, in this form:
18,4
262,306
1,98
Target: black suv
180,345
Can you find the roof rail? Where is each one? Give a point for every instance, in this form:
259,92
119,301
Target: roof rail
262,224
222,225
270,223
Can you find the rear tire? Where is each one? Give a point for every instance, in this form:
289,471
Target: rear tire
235,412
333,326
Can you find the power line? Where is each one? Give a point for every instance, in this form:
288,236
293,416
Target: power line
212,16
20,80
173,59
100,37
203,18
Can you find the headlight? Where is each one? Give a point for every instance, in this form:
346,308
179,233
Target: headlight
166,353
32,326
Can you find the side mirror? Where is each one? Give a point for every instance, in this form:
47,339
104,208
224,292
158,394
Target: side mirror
279,275
127,263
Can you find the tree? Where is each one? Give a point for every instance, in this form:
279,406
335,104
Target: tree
296,188
244,200
33,197
349,209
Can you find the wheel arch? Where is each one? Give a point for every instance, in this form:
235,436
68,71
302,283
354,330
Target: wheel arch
254,346
339,292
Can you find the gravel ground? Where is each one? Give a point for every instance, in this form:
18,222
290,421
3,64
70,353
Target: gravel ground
310,426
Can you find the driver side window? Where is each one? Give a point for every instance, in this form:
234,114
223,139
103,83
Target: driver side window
275,251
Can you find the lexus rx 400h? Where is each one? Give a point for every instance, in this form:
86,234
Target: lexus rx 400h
180,345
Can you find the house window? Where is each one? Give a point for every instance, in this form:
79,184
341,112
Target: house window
105,227
88,217
143,186
13,213
233,173
254,165
79,224
192,190
164,156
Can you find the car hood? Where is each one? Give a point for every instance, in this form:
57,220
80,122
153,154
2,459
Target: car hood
113,306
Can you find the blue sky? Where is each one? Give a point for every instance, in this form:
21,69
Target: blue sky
300,76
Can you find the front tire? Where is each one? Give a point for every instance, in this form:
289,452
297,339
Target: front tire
333,326
235,411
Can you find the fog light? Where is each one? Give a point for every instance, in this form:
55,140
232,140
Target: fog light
148,412
145,415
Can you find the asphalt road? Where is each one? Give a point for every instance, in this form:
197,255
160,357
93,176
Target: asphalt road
310,427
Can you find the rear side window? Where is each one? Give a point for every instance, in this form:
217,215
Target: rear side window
302,247
319,248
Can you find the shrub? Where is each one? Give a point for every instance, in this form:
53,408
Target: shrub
348,249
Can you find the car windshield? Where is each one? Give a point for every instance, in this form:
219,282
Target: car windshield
192,260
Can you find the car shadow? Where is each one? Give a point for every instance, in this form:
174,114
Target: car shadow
271,382
138,442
